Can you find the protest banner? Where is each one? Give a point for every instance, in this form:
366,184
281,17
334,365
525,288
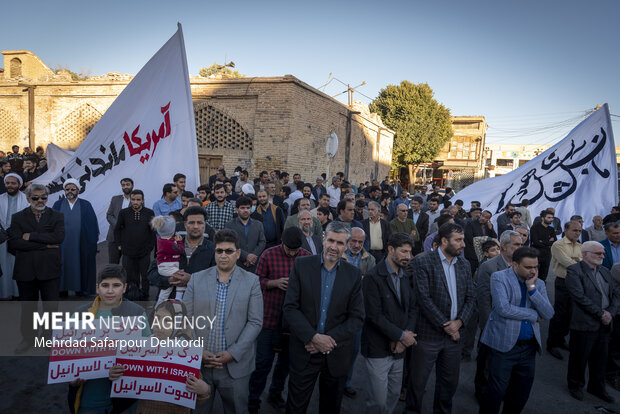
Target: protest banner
87,353
147,134
156,372
578,175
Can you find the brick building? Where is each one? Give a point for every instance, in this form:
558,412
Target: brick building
260,123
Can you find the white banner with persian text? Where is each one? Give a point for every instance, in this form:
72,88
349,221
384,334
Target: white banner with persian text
577,176
148,134
155,372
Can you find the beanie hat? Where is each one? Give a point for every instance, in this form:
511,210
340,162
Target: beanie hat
165,226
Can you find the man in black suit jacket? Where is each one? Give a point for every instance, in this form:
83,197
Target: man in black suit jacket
34,238
389,327
596,299
421,221
325,310
117,203
475,228
374,216
444,293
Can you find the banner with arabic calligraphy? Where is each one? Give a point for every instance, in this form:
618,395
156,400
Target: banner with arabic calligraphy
577,176
156,372
147,134
86,354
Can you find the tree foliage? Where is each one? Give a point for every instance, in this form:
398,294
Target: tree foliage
221,71
74,76
422,125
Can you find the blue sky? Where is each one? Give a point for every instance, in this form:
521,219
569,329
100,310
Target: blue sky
530,67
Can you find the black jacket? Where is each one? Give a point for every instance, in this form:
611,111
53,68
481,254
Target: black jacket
387,315
345,316
422,226
33,259
202,258
542,237
583,289
385,233
136,237
474,229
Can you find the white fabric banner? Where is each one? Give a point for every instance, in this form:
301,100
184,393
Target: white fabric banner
577,176
148,134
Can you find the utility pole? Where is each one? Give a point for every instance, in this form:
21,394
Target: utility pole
30,89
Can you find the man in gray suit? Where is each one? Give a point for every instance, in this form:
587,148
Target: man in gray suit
510,241
595,302
251,234
311,242
512,332
230,341
444,291
117,203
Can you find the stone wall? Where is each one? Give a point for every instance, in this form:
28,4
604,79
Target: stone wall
257,123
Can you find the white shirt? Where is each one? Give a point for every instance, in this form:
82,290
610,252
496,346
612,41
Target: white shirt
71,204
450,272
334,195
126,201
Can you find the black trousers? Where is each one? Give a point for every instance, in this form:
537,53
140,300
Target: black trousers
301,385
559,326
544,260
482,369
613,358
588,349
136,268
114,255
470,330
511,375
29,296
445,356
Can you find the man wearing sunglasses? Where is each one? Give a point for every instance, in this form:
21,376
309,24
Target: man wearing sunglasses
34,237
233,297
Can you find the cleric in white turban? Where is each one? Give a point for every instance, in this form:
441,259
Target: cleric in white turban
11,202
80,246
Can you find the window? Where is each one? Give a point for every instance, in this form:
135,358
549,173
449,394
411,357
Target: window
503,162
16,68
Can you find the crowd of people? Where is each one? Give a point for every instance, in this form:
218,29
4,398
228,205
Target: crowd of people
315,275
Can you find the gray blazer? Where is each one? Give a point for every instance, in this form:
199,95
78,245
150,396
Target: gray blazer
583,289
244,314
253,243
483,287
116,204
502,330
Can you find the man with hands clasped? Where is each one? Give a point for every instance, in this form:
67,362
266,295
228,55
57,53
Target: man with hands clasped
325,310
233,296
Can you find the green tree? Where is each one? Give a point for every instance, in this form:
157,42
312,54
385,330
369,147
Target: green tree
421,124
224,71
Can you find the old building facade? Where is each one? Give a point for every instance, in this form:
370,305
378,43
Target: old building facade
261,123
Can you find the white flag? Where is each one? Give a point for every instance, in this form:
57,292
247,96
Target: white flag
577,176
148,134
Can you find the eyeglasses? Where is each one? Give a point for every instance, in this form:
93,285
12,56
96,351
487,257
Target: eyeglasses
36,198
227,252
596,253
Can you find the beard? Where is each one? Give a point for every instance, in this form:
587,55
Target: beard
452,251
70,196
127,190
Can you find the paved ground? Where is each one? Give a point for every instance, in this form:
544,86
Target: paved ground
23,387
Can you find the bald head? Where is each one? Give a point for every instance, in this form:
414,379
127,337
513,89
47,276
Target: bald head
356,242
